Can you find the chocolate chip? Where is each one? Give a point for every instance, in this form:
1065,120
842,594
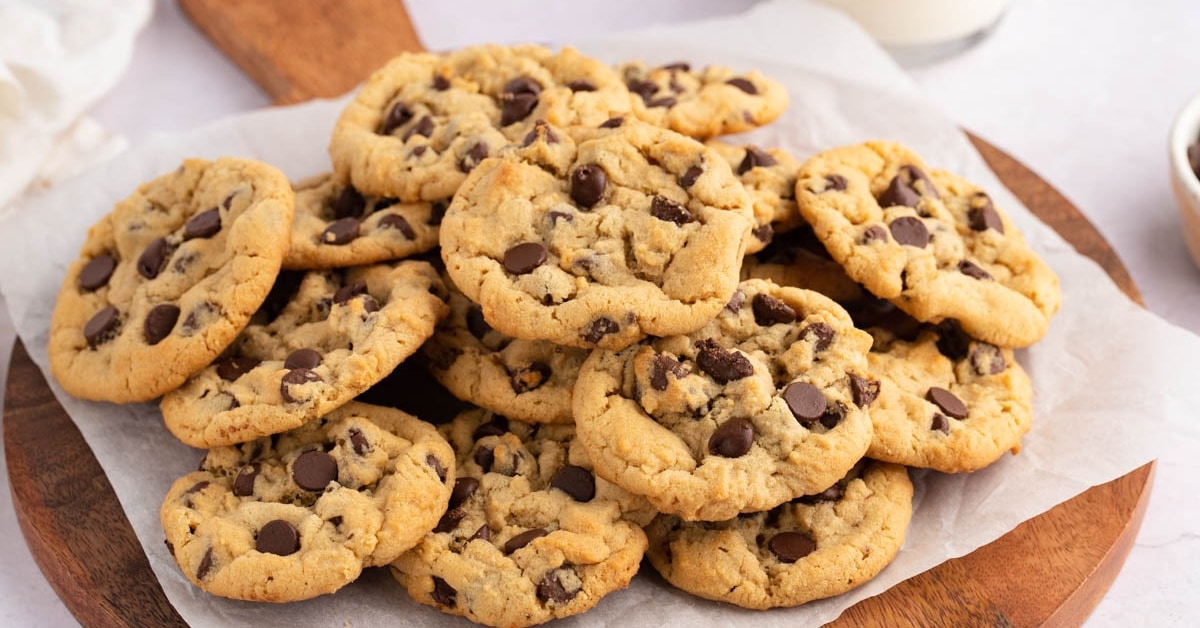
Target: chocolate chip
743,84
559,585
899,192
834,413
769,310
232,367
523,539
723,366
340,231
668,210
689,177
613,123
398,116
399,223
483,533
437,211
587,185
151,261
790,547
349,203
522,85
575,481
433,463
973,270
677,66
476,323
443,593
418,150
314,470
732,439
874,233
197,487
662,365
296,377
359,442
909,230
302,359
821,334
864,390
952,341
763,233
159,322
948,402
278,537
196,318
645,89
940,423
530,377
599,328
736,301
477,153
831,494
423,127
205,565
755,158
347,292
441,83
524,257
450,520
464,487
581,85
203,225
516,107
496,426
96,272
243,484
983,215
101,327
835,182
806,401
987,359
666,101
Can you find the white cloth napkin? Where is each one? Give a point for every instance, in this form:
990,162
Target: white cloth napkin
57,58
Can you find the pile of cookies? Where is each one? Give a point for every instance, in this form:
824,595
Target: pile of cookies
658,344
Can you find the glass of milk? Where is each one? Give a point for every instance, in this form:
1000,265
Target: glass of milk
920,31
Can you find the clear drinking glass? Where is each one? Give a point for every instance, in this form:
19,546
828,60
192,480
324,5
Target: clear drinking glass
920,31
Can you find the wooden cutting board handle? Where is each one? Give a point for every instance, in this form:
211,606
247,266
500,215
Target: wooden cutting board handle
297,50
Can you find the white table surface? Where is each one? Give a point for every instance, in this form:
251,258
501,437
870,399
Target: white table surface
1082,95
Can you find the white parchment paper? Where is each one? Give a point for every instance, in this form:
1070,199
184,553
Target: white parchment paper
1113,383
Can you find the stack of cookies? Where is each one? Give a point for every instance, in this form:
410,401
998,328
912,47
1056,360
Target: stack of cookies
655,343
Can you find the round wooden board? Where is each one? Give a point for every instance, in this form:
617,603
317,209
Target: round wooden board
1049,571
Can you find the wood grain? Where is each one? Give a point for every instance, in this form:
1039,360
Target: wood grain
1050,571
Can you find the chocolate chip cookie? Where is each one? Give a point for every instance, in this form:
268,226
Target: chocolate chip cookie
423,121
336,226
168,278
929,241
302,513
320,339
531,533
528,380
796,258
769,175
763,404
946,401
811,548
636,231
703,103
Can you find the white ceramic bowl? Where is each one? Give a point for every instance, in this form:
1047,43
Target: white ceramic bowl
1185,132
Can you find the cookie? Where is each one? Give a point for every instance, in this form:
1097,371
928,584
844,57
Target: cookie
946,401
770,177
168,278
321,338
796,258
638,231
808,549
527,380
929,241
335,226
760,406
531,534
301,514
703,103
423,121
